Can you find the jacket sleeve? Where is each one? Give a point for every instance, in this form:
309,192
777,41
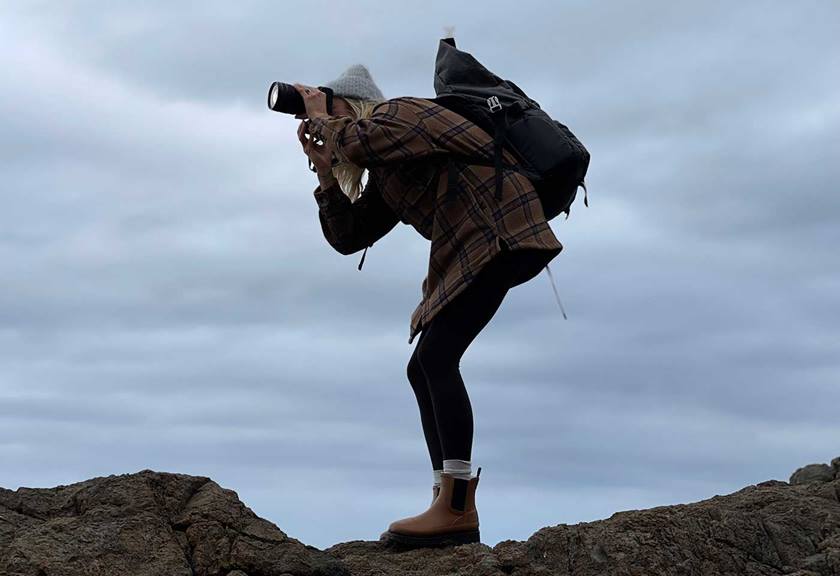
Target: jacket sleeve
394,132
351,226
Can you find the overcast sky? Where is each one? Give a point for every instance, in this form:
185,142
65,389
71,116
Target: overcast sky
168,301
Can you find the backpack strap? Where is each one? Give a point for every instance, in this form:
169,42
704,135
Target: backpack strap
499,123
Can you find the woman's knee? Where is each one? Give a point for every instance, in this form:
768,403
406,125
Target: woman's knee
435,360
416,377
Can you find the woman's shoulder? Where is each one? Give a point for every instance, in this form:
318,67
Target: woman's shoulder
414,111
405,105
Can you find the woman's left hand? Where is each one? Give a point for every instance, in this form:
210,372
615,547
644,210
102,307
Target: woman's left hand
314,100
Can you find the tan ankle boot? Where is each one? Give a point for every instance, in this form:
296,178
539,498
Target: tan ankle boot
452,518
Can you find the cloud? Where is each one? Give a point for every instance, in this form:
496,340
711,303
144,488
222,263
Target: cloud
168,300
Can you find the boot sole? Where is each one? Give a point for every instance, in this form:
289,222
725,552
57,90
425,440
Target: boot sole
405,541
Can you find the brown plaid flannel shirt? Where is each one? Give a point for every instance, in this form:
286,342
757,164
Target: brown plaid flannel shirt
405,145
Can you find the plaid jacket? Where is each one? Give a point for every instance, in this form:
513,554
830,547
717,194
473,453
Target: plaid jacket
405,145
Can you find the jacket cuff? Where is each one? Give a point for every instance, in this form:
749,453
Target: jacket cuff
331,199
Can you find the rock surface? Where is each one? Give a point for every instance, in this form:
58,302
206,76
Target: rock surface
146,524
150,524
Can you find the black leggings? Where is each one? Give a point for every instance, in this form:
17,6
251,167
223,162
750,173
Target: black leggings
433,370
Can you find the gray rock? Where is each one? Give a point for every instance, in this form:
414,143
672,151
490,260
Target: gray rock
835,465
812,473
156,524
772,529
146,524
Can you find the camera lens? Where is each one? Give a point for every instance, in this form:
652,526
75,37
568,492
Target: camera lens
285,98
273,95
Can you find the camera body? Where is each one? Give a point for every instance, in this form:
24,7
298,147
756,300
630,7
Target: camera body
285,98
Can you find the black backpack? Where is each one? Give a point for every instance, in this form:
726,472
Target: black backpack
550,156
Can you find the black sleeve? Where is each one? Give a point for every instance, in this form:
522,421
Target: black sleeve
352,226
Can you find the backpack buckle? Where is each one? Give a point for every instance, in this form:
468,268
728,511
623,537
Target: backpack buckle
494,104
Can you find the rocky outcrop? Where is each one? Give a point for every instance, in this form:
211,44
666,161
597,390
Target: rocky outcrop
146,524
153,523
816,473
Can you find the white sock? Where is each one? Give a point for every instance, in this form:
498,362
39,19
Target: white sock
458,468
437,477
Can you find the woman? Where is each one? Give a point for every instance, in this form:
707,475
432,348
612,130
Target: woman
480,248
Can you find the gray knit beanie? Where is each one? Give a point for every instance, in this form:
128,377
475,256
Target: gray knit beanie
356,82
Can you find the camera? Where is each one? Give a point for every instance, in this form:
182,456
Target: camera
285,98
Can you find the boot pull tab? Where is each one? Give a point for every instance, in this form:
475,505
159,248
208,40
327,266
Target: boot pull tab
362,261
478,472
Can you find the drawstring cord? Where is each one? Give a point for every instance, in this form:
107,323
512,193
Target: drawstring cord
556,295
548,270
362,261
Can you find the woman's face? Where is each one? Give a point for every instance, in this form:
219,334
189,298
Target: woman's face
341,107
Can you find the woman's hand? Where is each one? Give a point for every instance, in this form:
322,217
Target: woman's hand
319,154
314,100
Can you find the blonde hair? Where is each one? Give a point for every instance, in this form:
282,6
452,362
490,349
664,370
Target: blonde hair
349,175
